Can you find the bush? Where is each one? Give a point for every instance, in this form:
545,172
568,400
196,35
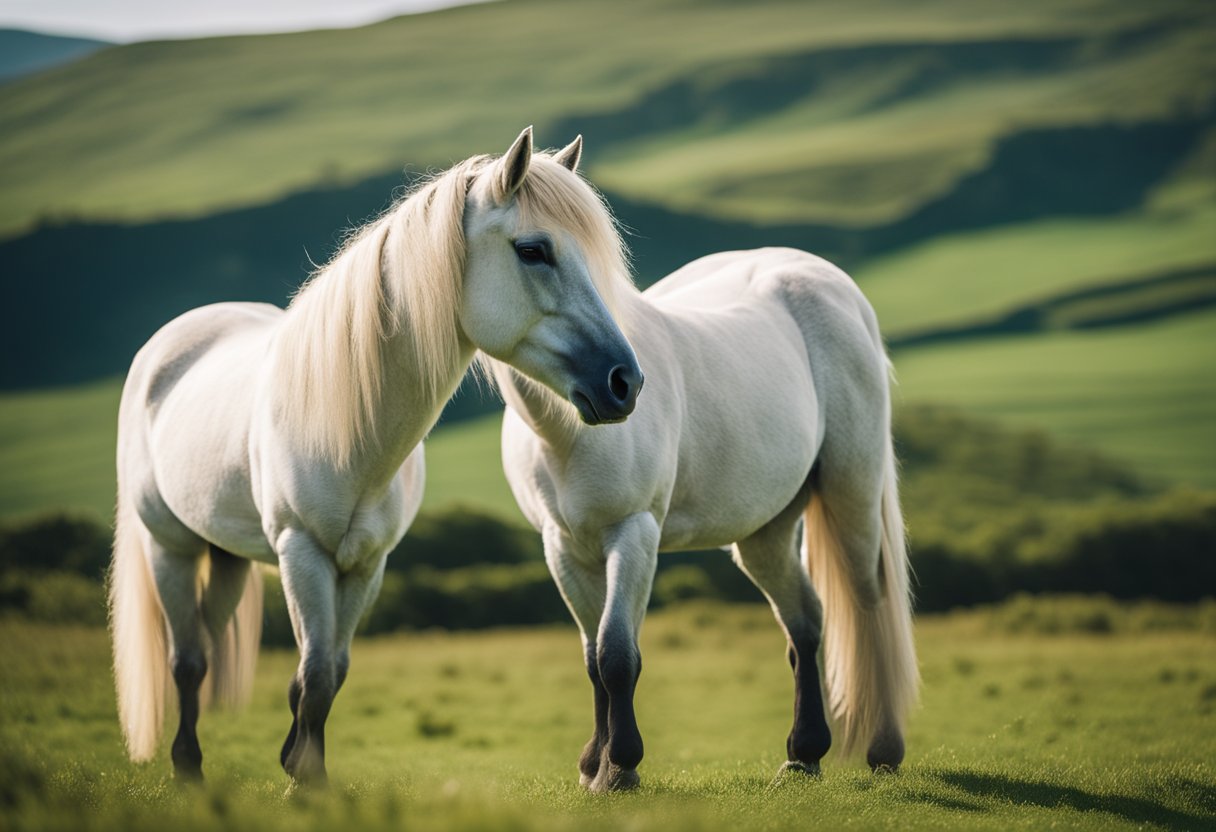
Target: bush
1093,614
54,596
459,537
681,583
64,542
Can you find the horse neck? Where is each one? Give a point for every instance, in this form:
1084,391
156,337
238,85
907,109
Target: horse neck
409,390
408,405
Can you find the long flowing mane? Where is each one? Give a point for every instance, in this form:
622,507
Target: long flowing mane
402,274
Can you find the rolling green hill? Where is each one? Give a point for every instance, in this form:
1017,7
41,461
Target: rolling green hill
1032,170
831,111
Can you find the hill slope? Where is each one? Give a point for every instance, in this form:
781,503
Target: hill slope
24,53
773,111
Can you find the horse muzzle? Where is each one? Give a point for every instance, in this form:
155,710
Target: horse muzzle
612,396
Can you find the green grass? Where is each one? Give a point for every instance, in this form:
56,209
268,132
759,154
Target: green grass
482,731
188,127
956,278
1145,393
57,449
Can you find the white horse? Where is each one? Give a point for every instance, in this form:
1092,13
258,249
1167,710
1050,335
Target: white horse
766,417
292,437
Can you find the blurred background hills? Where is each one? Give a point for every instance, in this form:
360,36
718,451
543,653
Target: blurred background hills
1026,192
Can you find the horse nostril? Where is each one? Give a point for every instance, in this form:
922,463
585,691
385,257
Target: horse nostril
618,383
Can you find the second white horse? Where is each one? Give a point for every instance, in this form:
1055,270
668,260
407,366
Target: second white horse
766,418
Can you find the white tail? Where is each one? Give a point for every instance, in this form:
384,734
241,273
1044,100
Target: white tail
138,630
869,659
234,652
141,640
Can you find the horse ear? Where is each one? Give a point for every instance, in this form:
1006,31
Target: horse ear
568,157
513,166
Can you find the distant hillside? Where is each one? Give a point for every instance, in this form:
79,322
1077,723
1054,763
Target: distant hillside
24,53
108,286
1000,183
844,111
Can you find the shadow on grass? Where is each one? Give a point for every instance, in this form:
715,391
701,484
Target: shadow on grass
1127,807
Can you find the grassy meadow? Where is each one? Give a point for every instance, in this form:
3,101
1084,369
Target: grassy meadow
1074,730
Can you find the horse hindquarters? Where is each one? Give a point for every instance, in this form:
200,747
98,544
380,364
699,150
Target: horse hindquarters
870,667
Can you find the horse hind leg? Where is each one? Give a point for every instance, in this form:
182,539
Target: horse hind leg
176,578
855,550
233,651
770,558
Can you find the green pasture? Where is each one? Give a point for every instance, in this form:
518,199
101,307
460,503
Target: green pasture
482,731
189,127
1145,394
960,278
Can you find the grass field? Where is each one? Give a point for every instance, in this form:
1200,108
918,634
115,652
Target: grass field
481,731
959,278
1145,394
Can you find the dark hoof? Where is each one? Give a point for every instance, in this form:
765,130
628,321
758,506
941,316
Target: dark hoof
797,767
886,752
613,778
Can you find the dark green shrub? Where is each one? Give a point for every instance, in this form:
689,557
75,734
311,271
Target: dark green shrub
71,542
54,596
458,537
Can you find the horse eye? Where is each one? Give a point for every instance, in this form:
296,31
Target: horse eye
530,254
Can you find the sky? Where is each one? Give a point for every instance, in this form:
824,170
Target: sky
124,21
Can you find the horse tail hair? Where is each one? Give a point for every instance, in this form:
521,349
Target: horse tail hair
139,635
234,648
869,659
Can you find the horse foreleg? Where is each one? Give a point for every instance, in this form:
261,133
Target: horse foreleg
309,584
630,557
582,587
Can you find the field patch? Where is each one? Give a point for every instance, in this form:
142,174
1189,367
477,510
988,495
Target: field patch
1141,393
483,731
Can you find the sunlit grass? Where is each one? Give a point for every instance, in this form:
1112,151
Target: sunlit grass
1076,731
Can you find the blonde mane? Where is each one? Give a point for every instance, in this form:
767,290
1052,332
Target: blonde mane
402,274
